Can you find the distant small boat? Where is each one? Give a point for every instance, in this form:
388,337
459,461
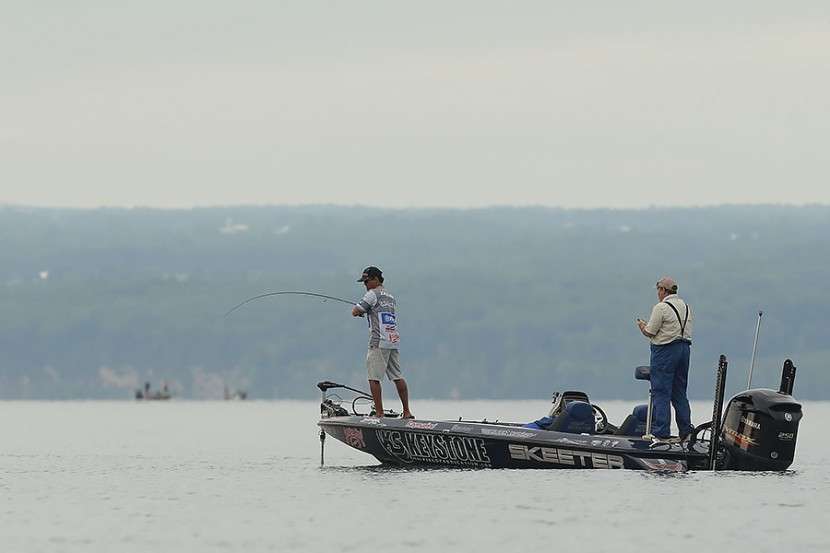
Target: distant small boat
146,394
236,394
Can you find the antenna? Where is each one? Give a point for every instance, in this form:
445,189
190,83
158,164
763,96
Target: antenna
754,350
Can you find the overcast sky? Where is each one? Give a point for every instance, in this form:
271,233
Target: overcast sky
452,103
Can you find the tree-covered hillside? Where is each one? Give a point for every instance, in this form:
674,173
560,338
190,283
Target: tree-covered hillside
507,302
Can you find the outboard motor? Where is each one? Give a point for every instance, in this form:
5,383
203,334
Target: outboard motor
760,427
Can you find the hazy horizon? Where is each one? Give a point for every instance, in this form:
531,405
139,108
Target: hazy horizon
22,206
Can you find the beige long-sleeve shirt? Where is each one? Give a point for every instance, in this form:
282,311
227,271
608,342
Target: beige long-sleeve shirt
663,323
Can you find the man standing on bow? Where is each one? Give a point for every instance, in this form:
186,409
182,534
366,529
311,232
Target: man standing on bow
669,329
382,358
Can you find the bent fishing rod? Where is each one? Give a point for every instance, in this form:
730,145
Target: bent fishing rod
289,293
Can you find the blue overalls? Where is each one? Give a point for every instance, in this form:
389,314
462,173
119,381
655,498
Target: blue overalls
669,378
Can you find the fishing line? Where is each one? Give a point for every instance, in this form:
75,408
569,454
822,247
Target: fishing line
292,293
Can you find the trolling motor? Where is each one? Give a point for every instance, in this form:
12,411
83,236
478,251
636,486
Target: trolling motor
331,408
328,408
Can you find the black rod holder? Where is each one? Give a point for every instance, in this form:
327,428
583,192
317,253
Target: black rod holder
787,378
323,389
717,410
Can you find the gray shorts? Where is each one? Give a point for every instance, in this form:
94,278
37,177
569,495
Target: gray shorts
383,361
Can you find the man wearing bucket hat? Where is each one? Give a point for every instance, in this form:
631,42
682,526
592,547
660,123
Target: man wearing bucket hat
669,329
383,357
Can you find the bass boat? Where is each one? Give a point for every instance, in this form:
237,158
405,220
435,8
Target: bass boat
756,432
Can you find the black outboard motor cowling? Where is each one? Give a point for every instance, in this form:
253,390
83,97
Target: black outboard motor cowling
760,428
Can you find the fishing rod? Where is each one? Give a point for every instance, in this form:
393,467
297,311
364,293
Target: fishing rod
289,293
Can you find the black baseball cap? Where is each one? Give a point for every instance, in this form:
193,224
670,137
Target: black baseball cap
370,272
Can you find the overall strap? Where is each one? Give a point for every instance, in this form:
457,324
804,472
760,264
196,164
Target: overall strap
683,322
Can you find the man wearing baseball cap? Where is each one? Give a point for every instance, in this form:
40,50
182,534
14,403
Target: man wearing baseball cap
383,357
669,329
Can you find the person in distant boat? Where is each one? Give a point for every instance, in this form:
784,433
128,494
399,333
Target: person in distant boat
669,329
383,356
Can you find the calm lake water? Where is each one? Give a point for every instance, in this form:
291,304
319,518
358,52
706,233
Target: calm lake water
245,476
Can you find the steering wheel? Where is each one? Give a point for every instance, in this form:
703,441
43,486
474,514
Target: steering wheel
600,419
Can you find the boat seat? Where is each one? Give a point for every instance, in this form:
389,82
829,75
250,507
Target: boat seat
577,418
561,399
635,423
